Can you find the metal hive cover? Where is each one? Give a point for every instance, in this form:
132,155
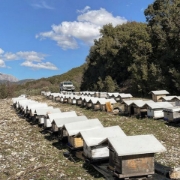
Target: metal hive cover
159,92
94,137
172,109
126,95
159,105
53,116
133,145
168,98
74,128
129,102
41,109
61,121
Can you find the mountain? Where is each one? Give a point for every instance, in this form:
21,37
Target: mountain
7,77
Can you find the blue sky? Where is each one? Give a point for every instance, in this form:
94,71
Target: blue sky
43,38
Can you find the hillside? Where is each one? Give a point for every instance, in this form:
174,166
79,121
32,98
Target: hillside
7,77
34,87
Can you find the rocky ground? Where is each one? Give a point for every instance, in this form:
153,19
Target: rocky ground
27,153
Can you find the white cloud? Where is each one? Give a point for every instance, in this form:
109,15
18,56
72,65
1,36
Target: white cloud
84,10
10,56
31,59
26,55
31,56
42,5
46,65
1,51
85,29
2,64
101,17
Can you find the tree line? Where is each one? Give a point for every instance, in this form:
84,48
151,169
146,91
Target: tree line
137,57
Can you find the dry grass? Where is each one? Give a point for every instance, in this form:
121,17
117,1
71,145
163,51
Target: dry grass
26,153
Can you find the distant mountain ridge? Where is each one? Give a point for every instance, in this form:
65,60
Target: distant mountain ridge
7,77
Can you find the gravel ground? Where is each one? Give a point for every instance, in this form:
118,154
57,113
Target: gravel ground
27,153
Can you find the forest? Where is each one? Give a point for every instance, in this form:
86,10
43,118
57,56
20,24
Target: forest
138,57
134,57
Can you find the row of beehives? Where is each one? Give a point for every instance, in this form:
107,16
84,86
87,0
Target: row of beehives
127,155
83,100
169,109
118,97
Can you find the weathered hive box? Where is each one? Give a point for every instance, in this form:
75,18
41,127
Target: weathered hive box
112,95
23,105
64,98
91,139
69,100
79,100
133,156
128,108
102,94
176,100
76,93
92,102
74,99
72,130
31,107
172,114
125,96
14,100
169,99
156,95
102,103
56,97
91,94
47,93
85,99
41,114
52,116
95,103
140,108
89,102
35,109
58,123
155,110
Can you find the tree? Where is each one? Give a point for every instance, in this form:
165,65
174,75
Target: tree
109,84
164,22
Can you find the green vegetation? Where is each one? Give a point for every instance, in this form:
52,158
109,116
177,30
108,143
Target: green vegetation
34,87
138,56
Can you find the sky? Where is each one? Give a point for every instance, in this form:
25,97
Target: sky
43,38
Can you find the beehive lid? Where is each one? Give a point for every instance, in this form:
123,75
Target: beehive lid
126,95
129,102
36,105
177,98
133,145
168,98
159,92
95,100
114,94
56,94
159,105
53,116
14,100
94,137
142,103
76,127
62,121
25,103
172,109
43,110
103,101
